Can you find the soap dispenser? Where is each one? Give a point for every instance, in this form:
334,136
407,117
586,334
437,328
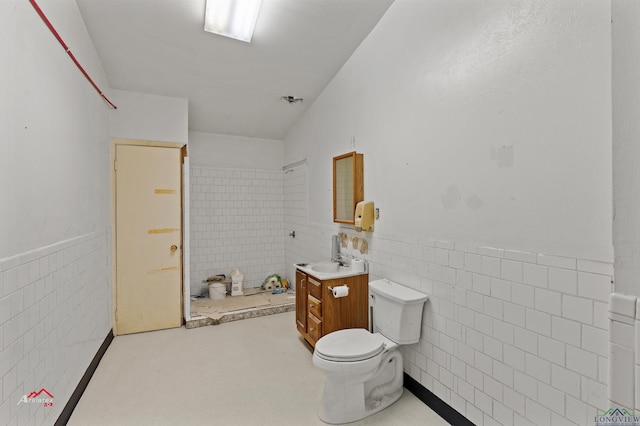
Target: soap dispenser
364,216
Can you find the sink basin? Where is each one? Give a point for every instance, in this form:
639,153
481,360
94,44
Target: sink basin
327,267
326,270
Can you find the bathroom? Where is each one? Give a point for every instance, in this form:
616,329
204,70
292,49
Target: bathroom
490,157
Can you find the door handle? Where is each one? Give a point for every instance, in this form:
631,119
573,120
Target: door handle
174,247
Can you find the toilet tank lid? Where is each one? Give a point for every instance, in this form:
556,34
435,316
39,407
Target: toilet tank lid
397,292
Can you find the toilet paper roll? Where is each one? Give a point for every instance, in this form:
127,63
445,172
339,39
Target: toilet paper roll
340,291
357,265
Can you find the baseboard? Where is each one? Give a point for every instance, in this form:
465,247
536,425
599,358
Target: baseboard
64,417
443,409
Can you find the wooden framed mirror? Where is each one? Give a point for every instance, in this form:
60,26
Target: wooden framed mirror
348,186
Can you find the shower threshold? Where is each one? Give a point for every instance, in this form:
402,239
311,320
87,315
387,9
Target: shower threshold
253,304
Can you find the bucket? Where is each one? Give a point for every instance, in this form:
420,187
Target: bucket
217,291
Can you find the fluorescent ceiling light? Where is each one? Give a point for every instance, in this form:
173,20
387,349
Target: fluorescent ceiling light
232,18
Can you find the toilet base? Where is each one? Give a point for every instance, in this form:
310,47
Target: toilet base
350,398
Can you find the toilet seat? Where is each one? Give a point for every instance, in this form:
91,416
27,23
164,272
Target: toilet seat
349,345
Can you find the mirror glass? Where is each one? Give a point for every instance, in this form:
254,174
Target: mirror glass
348,189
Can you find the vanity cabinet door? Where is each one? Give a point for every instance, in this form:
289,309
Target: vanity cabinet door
301,302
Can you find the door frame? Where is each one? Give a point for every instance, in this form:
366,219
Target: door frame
114,142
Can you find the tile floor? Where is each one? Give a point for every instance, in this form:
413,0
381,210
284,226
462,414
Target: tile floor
256,371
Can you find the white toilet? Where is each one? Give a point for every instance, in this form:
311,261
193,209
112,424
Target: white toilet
364,370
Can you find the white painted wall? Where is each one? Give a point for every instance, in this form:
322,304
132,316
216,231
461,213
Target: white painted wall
53,128
215,150
55,248
488,122
149,117
486,134
626,143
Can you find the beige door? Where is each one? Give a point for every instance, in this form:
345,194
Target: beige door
148,238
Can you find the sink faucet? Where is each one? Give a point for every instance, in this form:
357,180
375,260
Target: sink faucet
340,260
336,256
335,249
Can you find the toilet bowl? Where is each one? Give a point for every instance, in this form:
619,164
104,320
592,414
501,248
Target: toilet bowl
363,370
354,361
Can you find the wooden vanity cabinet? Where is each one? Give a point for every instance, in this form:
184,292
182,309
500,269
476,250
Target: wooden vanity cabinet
319,313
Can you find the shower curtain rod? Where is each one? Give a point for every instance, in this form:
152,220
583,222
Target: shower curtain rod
296,164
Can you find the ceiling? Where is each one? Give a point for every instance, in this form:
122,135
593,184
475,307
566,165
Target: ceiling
159,47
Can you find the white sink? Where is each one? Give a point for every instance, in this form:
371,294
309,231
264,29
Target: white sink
328,267
326,270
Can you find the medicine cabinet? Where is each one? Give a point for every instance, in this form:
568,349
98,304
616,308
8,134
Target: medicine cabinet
348,186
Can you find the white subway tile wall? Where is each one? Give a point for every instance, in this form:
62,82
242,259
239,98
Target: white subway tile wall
621,350
236,222
509,337
55,312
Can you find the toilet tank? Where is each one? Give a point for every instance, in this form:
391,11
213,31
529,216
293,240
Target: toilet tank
397,311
